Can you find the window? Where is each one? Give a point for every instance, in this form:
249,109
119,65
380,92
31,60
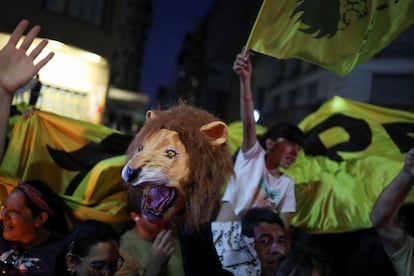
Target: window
91,11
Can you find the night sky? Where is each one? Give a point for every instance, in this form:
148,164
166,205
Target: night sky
172,19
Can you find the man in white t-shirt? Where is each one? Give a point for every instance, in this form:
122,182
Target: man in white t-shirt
258,180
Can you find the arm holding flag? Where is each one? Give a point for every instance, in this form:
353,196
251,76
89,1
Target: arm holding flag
384,213
16,69
258,164
242,66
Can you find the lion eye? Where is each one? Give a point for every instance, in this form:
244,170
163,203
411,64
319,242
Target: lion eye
139,148
171,153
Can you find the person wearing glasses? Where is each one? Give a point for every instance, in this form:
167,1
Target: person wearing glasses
91,248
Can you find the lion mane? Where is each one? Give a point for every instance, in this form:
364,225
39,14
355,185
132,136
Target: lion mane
209,165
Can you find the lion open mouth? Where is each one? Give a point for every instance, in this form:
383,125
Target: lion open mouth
156,200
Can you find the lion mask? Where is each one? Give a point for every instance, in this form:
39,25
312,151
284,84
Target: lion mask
178,163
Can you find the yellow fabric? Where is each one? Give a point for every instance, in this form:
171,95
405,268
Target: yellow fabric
337,186
235,135
338,195
65,152
337,180
335,34
7,183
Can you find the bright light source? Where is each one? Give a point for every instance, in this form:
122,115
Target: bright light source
91,57
256,115
55,44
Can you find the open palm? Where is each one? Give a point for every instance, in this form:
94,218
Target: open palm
16,66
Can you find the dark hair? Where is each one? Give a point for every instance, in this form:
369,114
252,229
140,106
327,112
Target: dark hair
86,234
81,238
57,218
305,260
134,197
283,130
254,216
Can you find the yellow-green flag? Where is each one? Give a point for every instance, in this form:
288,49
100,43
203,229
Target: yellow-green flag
353,151
81,161
235,130
335,34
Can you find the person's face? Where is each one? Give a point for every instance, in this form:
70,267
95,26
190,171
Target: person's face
102,259
19,225
282,152
145,228
271,244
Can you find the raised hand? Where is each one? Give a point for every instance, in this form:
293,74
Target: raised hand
242,65
16,69
16,65
161,251
162,247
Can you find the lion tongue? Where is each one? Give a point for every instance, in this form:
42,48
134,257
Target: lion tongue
157,199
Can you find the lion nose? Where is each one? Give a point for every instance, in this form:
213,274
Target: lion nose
129,174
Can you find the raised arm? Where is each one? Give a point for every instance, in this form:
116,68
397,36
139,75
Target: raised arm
243,68
384,213
16,69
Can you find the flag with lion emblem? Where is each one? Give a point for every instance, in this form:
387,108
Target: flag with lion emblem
335,34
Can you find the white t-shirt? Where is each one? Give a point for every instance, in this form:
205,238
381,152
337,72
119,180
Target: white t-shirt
254,186
235,250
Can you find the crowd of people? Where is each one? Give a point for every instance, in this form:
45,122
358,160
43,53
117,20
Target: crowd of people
251,234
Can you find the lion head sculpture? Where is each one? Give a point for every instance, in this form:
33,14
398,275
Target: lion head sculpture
177,164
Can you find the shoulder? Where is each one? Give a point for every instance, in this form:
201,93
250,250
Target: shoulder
129,234
131,266
286,177
255,150
51,247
